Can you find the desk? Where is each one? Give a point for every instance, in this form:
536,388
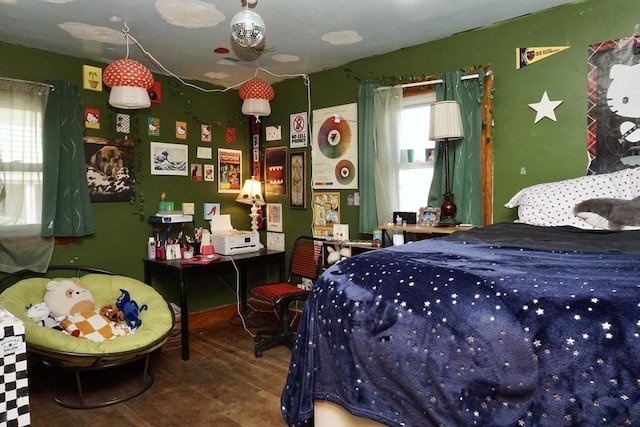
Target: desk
184,273
419,229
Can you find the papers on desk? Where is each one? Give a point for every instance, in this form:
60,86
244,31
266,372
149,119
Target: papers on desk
201,259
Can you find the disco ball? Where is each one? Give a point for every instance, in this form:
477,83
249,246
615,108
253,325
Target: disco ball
247,28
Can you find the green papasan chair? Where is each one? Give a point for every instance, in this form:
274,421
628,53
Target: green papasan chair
68,358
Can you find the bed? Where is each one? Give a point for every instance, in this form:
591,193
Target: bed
512,324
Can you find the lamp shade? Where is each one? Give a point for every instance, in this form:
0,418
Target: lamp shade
446,121
247,28
256,94
251,193
129,81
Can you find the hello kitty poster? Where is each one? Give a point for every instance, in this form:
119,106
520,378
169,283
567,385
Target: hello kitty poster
613,110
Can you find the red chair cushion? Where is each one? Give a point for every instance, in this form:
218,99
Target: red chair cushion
274,291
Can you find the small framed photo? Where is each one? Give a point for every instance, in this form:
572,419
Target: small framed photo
429,216
274,217
297,177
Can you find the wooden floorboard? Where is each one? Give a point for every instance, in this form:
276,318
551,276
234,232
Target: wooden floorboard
222,384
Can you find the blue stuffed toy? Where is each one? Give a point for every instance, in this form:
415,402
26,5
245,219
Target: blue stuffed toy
130,309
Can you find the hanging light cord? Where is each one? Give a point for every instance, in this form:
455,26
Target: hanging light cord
125,30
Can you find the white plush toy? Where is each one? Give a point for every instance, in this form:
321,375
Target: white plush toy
66,298
337,255
41,315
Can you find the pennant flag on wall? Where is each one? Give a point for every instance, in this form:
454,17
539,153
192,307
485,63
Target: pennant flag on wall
528,55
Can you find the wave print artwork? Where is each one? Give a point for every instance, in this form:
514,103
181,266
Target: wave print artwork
169,159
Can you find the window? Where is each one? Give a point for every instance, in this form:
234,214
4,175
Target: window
415,177
21,115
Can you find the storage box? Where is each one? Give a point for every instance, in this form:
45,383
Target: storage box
14,387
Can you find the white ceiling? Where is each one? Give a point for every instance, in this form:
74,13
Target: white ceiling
302,36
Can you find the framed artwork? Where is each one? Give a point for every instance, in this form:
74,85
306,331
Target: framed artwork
92,78
109,169
209,173
297,185
275,171
169,159
229,170
274,217
326,213
155,93
211,209
428,216
196,172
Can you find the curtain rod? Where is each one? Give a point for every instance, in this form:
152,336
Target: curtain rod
28,82
433,82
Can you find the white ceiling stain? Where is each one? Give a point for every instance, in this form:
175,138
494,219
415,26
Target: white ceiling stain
216,75
285,58
342,37
189,13
89,32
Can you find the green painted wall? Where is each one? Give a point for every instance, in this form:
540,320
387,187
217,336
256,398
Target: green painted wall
548,150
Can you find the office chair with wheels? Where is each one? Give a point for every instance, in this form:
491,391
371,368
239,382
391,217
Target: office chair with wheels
304,263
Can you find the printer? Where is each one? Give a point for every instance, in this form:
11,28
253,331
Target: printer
235,242
228,241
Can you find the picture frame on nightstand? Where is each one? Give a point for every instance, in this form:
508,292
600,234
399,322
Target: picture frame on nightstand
428,217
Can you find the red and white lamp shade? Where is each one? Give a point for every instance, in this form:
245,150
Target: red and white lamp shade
129,81
256,94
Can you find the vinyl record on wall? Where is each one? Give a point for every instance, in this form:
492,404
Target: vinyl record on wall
334,138
345,171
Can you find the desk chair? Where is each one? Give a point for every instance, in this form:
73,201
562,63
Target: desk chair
304,262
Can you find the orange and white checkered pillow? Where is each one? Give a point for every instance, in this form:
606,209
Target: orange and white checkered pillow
93,326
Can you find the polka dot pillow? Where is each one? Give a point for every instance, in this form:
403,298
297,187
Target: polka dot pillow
551,204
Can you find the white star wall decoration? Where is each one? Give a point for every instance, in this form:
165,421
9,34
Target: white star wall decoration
545,108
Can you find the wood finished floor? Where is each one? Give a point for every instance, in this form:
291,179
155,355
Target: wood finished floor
222,384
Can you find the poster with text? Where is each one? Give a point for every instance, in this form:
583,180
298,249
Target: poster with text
335,148
298,136
229,170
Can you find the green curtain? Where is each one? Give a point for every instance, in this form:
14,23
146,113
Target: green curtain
66,205
366,159
464,155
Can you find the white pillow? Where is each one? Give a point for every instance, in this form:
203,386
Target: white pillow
551,204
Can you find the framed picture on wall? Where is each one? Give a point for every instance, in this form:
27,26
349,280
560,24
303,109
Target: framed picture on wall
274,217
297,177
169,159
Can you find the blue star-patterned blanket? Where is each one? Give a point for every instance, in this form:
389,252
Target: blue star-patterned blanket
460,332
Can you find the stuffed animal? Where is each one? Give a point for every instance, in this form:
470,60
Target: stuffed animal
130,309
112,313
610,214
41,315
337,255
67,297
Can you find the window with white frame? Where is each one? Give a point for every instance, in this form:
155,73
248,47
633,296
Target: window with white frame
415,176
20,160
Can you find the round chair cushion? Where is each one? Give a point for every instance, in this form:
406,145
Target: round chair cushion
64,350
